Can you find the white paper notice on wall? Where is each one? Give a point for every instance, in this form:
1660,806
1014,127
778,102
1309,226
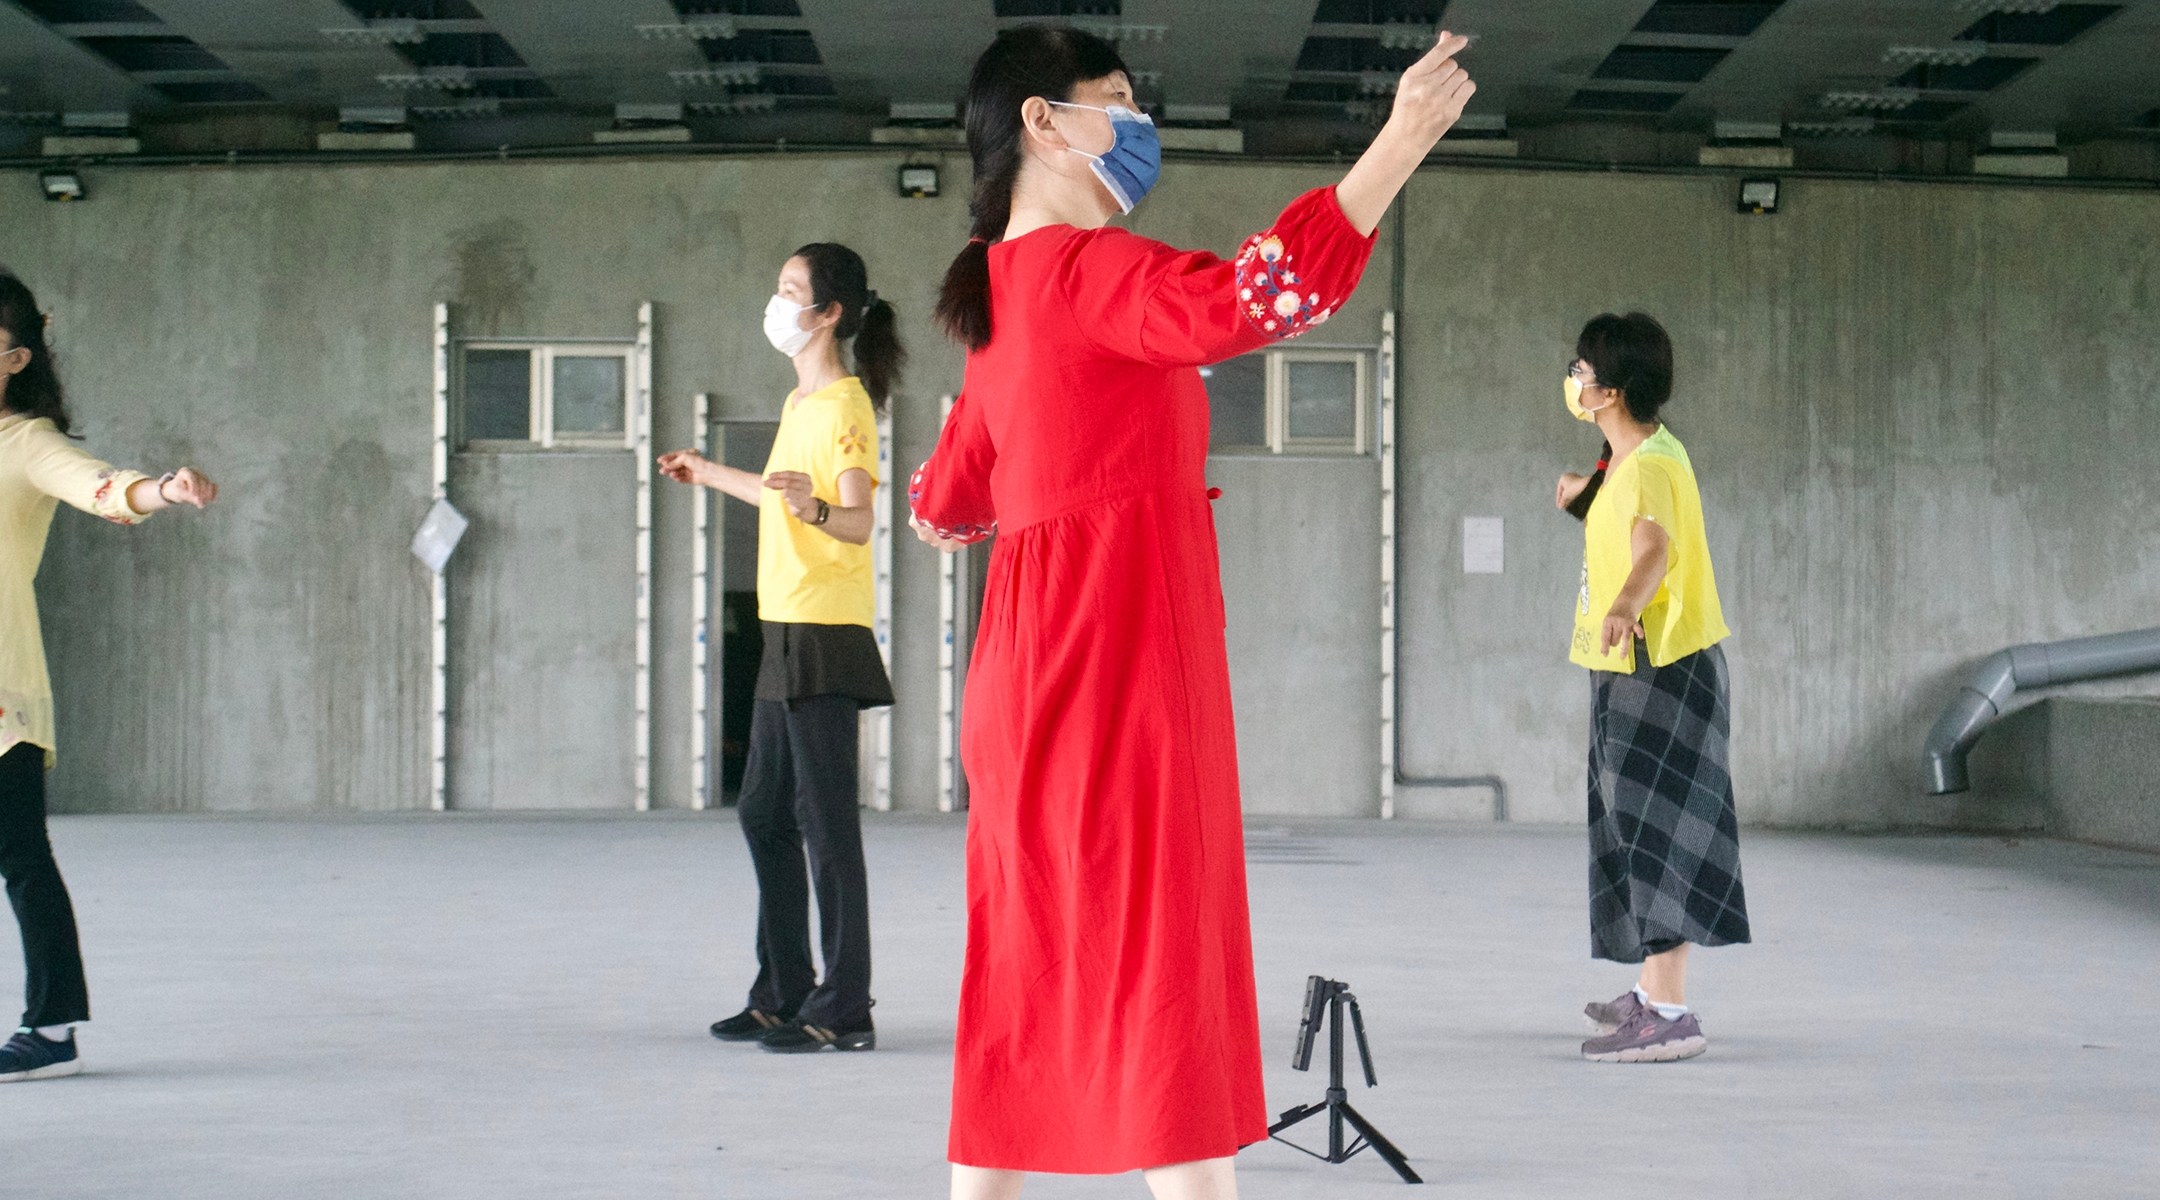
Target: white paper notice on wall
439,535
1484,545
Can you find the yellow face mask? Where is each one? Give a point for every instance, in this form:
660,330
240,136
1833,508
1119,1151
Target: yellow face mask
1572,391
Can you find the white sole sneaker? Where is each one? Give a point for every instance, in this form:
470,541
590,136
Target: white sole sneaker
1661,1052
72,1066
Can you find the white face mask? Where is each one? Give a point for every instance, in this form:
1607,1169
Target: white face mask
782,325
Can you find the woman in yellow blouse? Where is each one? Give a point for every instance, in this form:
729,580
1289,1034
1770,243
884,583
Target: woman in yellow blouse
40,466
817,598
1664,840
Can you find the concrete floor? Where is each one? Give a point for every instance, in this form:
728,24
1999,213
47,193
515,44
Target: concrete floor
503,1007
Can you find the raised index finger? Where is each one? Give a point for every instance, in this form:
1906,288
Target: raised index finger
1444,47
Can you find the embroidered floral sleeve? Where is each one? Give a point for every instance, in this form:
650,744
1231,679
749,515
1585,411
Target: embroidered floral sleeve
951,492
56,467
1143,300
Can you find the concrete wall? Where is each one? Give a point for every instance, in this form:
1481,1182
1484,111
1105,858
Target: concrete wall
2073,767
1924,417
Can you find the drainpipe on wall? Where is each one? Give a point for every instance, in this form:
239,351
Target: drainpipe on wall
1391,776
2006,672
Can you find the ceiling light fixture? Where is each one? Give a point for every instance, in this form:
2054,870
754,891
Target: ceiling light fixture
1845,127
463,110
1403,34
1758,196
1119,31
723,75
440,79
62,185
753,102
2002,6
1936,56
704,29
918,181
1884,100
391,31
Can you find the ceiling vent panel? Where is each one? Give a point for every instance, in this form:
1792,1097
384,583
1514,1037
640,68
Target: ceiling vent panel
1378,12
764,46
1660,64
91,12
1707,18
1982,75
1024,9
413,10
1591,100
1353,54
169,53
2055,27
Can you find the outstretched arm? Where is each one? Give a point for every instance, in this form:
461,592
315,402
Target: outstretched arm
1428,101
690,466
57,467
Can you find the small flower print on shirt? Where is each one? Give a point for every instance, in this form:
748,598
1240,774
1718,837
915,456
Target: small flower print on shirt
854,441
1267,290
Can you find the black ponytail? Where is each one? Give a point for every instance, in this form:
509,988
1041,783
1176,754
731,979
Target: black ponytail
838,276
33,391
1633,356
1032,60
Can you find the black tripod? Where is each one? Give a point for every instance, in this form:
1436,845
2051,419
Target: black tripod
1328,998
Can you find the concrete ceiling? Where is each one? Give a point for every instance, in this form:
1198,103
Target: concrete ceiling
842,61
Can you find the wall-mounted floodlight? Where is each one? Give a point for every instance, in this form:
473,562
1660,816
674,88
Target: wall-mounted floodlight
62,185
1758,196
918,182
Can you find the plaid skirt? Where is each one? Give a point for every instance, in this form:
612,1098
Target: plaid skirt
1664,841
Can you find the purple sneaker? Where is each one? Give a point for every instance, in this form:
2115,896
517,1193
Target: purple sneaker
1608,1018
1648,1037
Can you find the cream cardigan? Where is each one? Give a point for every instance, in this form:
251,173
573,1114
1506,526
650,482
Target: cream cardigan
39,467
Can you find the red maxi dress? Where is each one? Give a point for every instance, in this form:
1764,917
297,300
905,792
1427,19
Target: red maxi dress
1107,1016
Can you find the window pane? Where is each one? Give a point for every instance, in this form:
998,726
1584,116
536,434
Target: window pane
1323,400
498,395
588,395
1237,403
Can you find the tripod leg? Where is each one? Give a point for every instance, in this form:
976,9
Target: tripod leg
1293,1116
1381,1146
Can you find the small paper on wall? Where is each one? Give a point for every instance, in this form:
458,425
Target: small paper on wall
1484,545
439,535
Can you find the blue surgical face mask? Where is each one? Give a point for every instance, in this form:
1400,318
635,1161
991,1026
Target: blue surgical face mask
1132,164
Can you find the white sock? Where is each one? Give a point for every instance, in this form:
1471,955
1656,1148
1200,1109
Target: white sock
56,1033
1671,1012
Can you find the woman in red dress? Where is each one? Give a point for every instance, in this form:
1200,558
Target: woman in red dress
1107,1015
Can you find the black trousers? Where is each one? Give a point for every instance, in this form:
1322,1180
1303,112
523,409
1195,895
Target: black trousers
799,793
52,957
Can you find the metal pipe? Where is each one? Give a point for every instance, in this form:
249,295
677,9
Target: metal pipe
2006,672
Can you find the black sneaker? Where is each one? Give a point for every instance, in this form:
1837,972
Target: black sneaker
746,1026
801,1037
29,1055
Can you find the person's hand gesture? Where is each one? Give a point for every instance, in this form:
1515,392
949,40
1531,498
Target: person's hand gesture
1430,96
1571,486
928,535
795,489
1618,631
188,486
683,466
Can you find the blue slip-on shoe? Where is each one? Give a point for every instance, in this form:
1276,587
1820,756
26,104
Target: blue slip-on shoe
28,1055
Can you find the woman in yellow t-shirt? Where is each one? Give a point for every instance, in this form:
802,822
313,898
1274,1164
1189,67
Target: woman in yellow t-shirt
40,466
821,666
1664,840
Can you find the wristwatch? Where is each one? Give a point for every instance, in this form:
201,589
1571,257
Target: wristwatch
824,510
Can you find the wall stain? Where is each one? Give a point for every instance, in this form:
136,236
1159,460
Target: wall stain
493,283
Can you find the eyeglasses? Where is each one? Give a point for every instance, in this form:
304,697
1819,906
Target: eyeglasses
1582,375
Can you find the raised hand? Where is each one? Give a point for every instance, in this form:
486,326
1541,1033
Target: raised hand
188,486
1428,100
1430,97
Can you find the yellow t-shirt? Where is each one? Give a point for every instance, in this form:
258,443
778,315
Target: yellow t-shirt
805,575
1656,483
